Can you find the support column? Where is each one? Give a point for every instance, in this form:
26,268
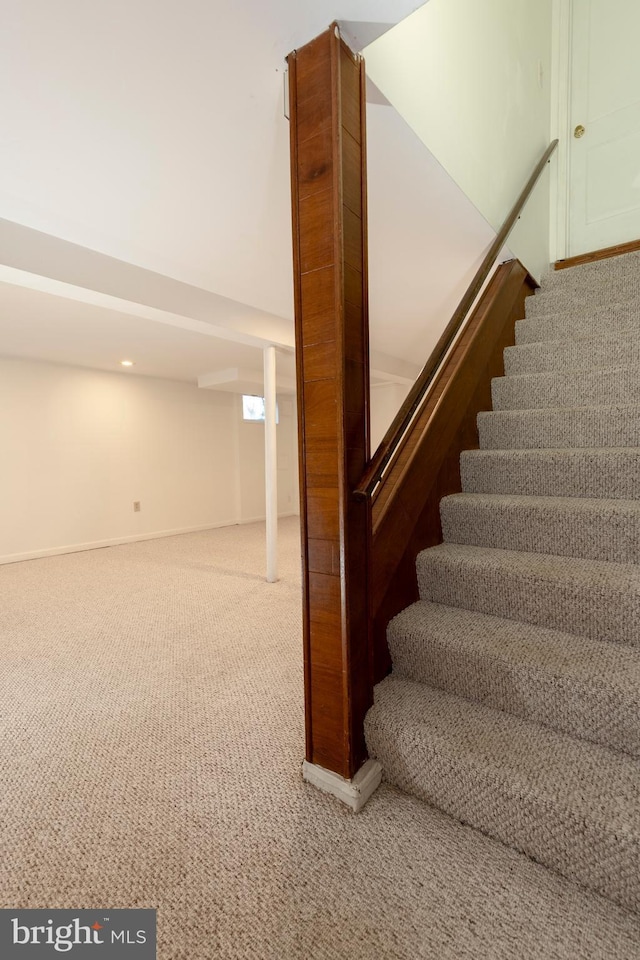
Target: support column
271,462
327,115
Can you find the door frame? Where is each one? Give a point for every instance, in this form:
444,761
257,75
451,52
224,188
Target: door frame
561,63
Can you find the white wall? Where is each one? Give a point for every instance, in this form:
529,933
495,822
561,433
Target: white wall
79,446
385,401
473,80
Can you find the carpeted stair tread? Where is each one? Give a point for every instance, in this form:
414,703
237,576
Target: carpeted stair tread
583,687
568,803
558,427
586,302
567,388
616,272
616,320
590,598
514,701
612,472
588,354
595,529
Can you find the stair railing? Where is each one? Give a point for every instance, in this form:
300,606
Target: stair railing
349,530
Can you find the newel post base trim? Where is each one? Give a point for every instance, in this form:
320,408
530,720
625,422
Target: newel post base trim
355,792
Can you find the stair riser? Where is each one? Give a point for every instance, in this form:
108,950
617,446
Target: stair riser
598,388
610,536
616,322
594,711
568,427
571,355
599,612
525,822
553,474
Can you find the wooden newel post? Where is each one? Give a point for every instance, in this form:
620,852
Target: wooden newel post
327,113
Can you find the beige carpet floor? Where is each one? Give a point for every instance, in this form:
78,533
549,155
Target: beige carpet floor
152,735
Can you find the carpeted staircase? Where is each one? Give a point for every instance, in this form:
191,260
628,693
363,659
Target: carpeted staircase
514,701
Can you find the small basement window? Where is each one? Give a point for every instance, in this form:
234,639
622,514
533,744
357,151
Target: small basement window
253,408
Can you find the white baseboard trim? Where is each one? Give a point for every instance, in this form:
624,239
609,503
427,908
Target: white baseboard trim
117,541
355,792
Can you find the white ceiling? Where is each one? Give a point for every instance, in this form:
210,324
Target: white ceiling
153,132
61,330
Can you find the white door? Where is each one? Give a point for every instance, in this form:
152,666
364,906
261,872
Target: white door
604,163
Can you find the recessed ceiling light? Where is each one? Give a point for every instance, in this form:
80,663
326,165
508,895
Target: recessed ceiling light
127,363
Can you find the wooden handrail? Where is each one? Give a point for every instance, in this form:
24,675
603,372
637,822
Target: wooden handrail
393,437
